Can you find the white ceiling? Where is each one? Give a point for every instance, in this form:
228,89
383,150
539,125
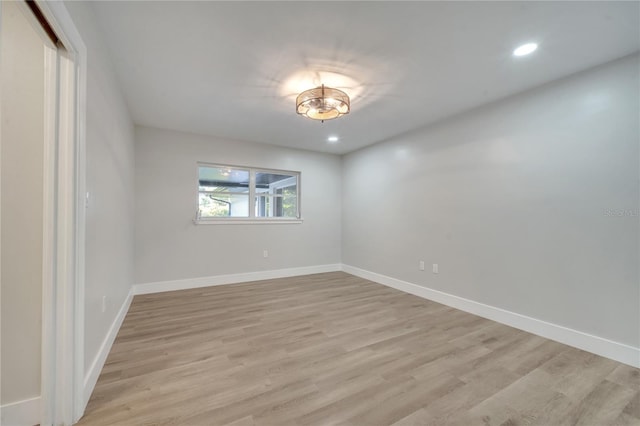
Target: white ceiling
229,69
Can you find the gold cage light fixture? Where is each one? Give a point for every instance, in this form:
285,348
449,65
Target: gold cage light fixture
323,103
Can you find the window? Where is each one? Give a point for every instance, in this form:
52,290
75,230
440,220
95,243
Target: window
241,194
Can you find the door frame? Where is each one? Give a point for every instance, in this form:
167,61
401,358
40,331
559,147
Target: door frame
63,385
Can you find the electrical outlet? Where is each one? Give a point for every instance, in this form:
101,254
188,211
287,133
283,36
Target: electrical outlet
435,268
421,265
265,253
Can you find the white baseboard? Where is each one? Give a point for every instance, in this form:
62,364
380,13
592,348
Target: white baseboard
609,349
91,378
162,286
21,413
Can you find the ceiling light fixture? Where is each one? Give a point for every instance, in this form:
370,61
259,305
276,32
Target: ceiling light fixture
332,139
323,103
525,49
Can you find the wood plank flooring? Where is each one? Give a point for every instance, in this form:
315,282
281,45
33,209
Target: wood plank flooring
336,349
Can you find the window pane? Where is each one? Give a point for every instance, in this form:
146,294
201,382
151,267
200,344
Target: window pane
212,178
224,192
269,183
277,195
221,204
264,206
290,205
276,206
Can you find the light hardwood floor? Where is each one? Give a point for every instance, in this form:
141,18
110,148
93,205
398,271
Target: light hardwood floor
336,349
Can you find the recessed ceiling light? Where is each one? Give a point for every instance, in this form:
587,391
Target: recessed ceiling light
525,49
333,139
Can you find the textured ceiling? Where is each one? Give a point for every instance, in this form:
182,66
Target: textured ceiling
232,69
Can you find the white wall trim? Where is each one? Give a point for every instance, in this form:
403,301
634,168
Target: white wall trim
243,221
161,286
47,359
600,346
21,413
62,394
91,378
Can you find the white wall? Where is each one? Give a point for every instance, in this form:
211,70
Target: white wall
512,201
110,176
22,79
170,247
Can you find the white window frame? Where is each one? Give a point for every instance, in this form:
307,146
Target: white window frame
252,218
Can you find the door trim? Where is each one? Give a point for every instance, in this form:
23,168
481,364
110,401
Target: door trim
62,399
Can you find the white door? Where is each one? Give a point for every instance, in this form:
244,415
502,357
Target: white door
40,314
22,142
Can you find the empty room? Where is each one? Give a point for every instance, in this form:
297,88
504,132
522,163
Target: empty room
320,213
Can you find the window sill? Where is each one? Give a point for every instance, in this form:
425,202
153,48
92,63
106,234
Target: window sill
242,221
